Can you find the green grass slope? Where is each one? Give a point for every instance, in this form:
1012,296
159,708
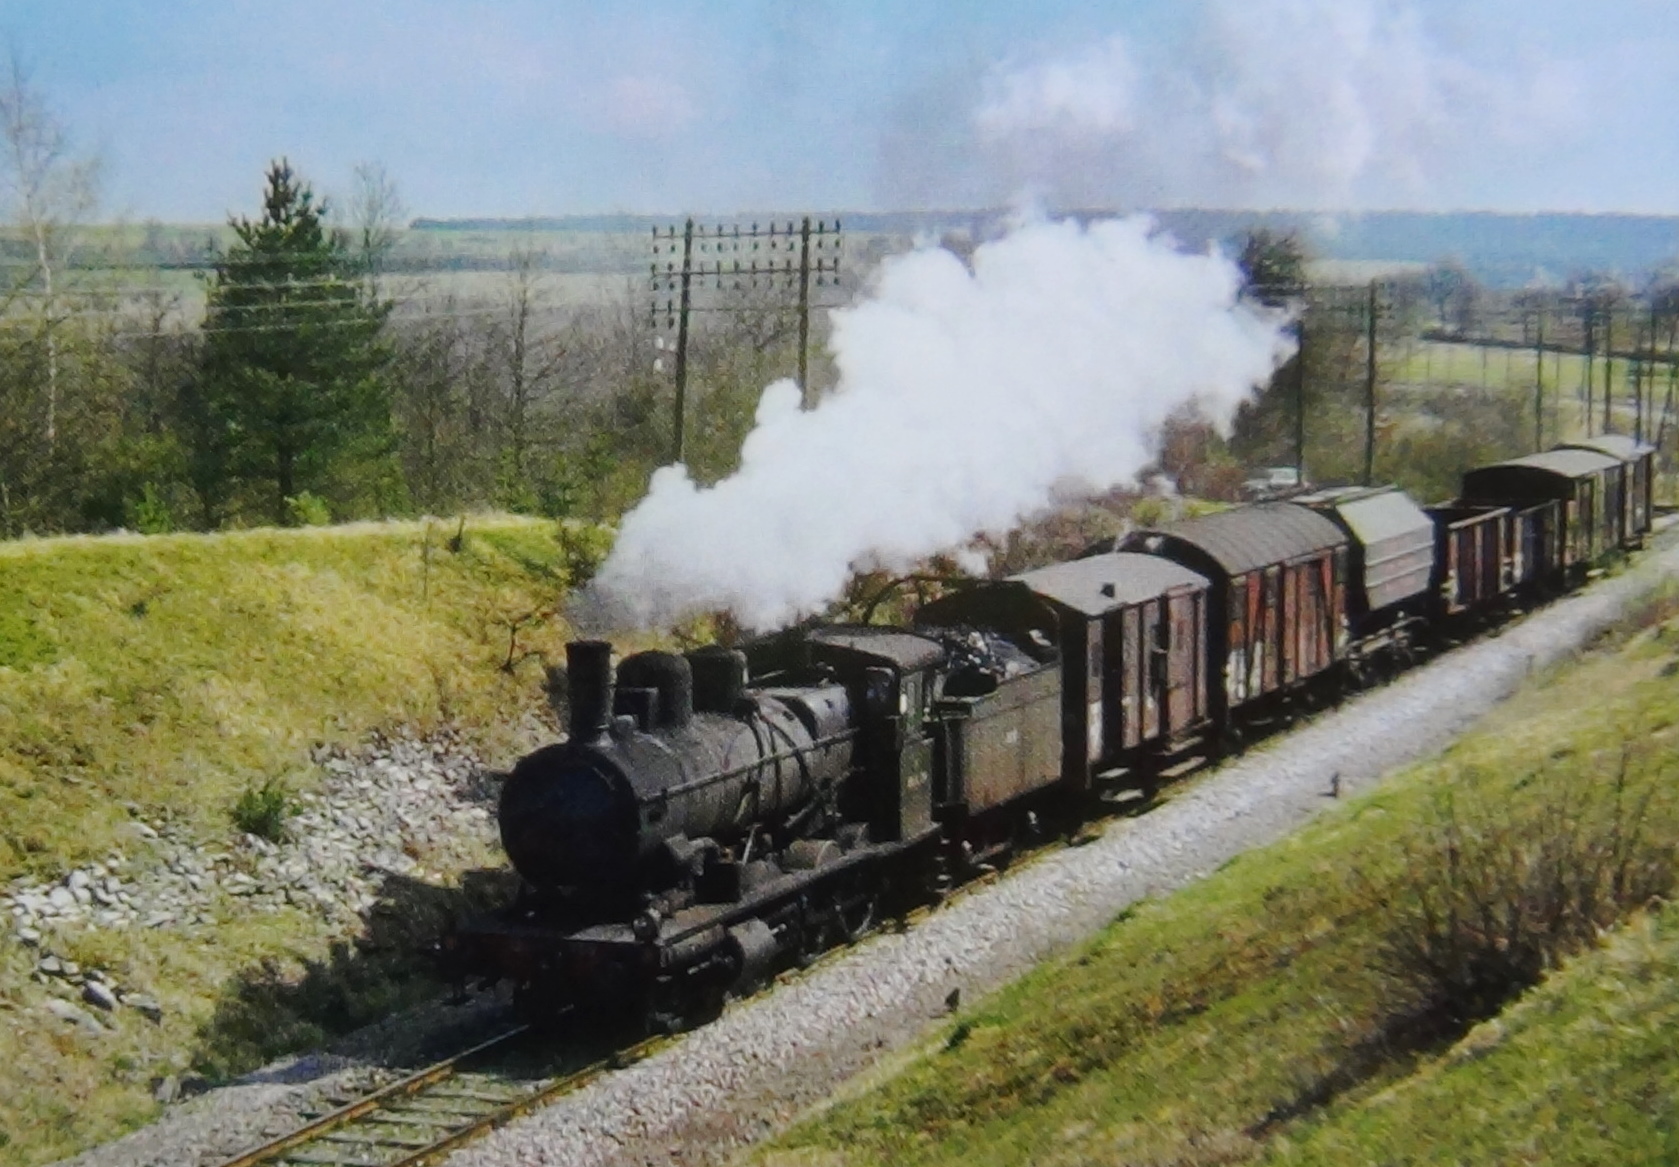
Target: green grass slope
167,676
171,672
1581,1071
1272,1010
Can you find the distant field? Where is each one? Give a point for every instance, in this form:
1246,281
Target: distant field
135,271
1517,374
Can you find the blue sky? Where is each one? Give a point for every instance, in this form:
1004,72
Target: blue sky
528,107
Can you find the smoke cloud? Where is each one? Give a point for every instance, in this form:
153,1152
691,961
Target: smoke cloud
1305,104
968,398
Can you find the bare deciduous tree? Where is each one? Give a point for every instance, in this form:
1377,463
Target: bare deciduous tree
376,218
49,190
532,354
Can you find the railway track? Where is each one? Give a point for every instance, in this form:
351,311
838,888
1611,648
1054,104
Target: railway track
424,1116
420,1118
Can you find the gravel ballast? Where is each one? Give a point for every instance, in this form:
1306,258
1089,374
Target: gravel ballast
744,1076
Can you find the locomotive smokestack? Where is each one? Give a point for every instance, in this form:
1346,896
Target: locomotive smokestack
589,670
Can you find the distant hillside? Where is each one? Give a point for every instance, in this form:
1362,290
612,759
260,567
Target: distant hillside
1502,249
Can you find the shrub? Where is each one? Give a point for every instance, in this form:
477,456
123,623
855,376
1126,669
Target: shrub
583,548
307,510
262,811
1505,883
150,513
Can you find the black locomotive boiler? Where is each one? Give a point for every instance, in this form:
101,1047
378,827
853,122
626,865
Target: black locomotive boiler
715,816
698,830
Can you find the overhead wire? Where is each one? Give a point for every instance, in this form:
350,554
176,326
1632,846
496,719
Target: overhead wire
186,328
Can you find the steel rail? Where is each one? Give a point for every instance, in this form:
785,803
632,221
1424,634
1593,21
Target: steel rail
466,1115
402,1088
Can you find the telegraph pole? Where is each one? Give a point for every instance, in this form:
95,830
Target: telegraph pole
1539,385
805,396
1608,367
1300,402
1590,401
1370,388
677,314
681,283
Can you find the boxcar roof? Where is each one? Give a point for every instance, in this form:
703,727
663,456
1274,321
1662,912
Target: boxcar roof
1395,534
1247,537
1565,463
903,649
1619,446
1375,513
1101,583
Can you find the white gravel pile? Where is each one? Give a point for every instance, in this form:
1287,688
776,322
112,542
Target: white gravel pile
382,807
400,803
748,1073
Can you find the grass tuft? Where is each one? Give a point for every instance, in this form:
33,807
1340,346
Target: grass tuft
263,810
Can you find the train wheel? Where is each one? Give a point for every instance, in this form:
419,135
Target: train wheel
814,935
856,914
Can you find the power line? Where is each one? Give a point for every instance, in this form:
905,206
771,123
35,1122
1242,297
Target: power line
17,324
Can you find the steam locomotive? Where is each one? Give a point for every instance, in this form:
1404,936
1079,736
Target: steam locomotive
716,816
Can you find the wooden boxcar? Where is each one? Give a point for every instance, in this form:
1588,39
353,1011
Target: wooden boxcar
1534,544
1638,461
1472,566
1278,601
1132,634
1585,482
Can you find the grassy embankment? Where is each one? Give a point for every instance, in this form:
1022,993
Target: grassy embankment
160,678
1284,1009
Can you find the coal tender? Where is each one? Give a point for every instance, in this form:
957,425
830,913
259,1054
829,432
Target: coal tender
697,832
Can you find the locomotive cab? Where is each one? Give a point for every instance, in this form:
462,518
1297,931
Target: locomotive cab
893,677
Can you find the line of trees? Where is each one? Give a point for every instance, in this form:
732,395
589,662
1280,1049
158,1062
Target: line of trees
1425,433
316,382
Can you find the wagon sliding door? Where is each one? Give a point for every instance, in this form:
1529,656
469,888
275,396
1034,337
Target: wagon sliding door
1272,630
1154,632
1186,699
1127,675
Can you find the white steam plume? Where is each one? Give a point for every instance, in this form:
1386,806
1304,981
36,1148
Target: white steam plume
966,400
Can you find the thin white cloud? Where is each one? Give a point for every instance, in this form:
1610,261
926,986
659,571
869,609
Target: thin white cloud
1306,103
1090,92
647,105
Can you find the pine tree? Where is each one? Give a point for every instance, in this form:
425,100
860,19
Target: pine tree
294,379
